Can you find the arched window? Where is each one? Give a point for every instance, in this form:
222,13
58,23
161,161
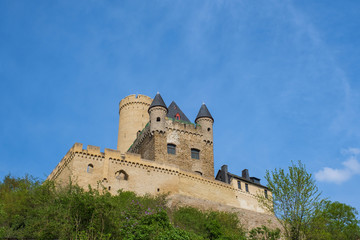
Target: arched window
171,148
195,153
177,116
121,175
198,172
90,168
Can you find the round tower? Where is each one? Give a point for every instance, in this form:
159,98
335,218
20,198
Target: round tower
157,112
205,120
133,117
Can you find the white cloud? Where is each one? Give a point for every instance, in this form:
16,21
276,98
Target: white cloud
352,151
338,176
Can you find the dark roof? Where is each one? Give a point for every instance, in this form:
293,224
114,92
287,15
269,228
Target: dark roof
203,112
174,109
247,180
158,102
253,180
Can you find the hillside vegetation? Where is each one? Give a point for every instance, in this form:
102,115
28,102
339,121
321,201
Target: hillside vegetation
31,210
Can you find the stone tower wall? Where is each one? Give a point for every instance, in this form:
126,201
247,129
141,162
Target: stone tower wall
153,146
133,111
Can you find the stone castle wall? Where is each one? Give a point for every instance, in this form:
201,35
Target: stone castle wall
146,177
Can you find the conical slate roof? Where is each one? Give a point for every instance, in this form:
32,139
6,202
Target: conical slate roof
158,102
203,112
174,110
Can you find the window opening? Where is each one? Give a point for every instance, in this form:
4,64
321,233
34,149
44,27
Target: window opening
266,194
171,148
195,153
198,172
247,187
239,185
158,119
121,175
209,129
177,116
90,168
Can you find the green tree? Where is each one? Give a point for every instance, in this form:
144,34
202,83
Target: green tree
294,199
334,220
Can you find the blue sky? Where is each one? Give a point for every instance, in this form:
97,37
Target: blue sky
279,77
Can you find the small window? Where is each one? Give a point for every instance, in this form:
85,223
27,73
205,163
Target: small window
266,194
247,187
121,175
209,129
198,172
90,168
195,153
177,116
171,149
158,119
239,185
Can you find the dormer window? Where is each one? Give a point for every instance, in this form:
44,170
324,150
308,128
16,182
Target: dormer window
177,116
171,149
195,153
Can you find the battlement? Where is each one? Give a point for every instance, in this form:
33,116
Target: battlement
181,126
135,99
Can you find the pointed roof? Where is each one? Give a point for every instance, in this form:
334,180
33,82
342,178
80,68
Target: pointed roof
158,102
174,110
203,112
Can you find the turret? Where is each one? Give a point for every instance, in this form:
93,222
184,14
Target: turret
205,120
157,112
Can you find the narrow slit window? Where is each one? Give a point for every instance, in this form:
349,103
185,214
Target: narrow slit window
195,153
266,193
171,149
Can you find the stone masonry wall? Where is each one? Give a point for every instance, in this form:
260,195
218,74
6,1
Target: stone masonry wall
146,176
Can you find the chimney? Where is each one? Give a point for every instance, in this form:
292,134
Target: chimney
245,174
224,173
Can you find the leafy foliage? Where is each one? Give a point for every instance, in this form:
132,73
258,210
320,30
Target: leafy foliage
264,233
334,220
294,201
32,210
209,224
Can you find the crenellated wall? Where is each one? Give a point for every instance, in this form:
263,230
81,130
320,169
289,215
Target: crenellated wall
146,177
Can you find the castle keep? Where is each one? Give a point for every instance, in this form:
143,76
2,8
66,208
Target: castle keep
160,150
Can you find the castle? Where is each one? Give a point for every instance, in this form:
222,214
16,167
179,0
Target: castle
160,150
